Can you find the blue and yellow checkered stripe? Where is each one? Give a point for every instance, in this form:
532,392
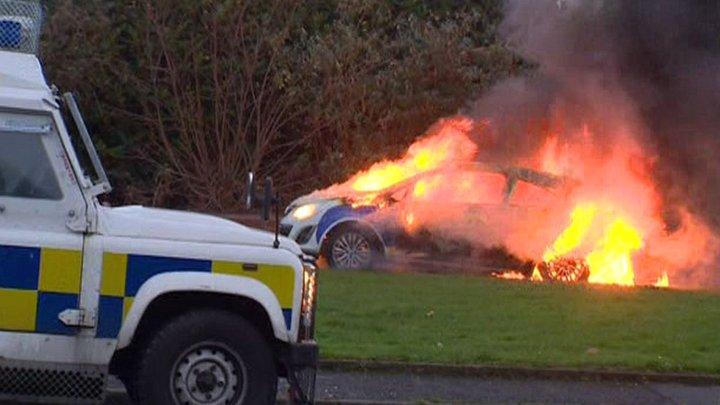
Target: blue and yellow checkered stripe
124,274
36,285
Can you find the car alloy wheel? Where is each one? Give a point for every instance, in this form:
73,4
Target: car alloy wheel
351,250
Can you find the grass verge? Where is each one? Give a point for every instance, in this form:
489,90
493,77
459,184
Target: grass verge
471,320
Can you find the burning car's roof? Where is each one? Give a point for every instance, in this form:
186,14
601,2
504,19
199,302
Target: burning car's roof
513,173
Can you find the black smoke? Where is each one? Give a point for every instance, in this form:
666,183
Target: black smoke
652,63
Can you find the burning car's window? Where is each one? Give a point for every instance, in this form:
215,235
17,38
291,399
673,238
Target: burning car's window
528,194
398,195
484,188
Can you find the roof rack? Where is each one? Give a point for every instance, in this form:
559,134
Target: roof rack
20,25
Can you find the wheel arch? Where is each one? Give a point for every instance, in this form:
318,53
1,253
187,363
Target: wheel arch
214,288
171,305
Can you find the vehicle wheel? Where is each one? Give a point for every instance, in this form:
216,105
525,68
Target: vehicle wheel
207,357
351,247
565,270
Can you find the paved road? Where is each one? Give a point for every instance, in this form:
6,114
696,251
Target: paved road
351,387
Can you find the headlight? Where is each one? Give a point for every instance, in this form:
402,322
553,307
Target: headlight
309,298
304,211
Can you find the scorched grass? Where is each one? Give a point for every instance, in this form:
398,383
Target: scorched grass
470,320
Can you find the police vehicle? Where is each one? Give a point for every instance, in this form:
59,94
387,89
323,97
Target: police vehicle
185,308
353,232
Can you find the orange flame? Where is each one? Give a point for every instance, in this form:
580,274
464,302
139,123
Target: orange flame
536,276
663,281
510,275
610,260
450,145
616,227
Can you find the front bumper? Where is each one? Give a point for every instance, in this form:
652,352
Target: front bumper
303,233
302,355
301,362
301,358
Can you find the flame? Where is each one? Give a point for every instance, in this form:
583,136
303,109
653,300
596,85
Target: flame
554,159
616,224
581,219
663,281
450,145
611,261
420,189
510,275
409,220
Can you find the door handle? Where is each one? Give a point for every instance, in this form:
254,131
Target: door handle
2,209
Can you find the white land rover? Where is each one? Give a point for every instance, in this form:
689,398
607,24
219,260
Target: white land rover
185,308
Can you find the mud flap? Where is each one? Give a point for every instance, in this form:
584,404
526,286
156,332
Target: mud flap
301,361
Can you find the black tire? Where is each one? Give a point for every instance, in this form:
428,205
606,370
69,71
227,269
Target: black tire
171,366
352,233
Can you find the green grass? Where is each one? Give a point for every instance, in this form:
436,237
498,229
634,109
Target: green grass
468,320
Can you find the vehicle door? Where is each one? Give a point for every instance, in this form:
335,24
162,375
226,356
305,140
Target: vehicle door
41,257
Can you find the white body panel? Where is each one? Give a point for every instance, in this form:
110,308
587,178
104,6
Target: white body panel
169,225
313,245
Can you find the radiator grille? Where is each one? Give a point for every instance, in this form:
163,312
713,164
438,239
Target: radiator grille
58,384
285,229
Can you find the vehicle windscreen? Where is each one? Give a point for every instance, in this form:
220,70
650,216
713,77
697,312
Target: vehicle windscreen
85,150
79,147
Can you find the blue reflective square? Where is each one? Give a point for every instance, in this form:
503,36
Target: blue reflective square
50,305
10,34
110,314
287,314
141,268
19,267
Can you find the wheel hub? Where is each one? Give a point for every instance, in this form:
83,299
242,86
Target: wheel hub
209,374
351,250
207,381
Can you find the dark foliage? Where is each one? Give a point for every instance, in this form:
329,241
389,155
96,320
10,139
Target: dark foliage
185,96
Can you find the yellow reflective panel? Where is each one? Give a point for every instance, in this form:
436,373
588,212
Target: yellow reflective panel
279,279
127,304
114,275
60,271
18,310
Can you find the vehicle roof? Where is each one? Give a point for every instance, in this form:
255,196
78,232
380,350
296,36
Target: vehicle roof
21,71
518,173
22,82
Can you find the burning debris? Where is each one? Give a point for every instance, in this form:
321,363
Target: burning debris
584,163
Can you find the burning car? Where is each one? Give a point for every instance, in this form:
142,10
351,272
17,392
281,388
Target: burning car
352,231
569,208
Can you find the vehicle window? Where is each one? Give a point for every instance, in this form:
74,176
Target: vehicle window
526,194
399,195
484,188
25,168
94,173
80,151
